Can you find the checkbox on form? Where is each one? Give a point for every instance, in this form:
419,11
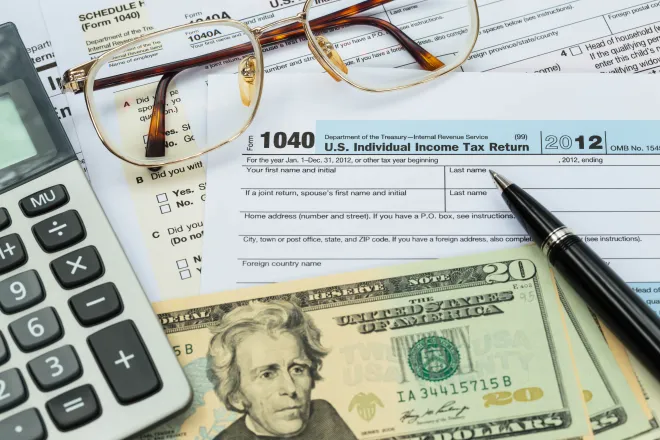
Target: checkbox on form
576,50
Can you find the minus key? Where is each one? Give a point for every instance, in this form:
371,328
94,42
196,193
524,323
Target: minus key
96,305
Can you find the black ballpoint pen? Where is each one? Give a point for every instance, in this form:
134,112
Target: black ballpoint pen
625,314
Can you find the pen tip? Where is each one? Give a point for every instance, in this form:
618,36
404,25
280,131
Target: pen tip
500,181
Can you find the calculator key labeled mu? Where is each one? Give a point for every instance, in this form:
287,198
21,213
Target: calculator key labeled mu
44,201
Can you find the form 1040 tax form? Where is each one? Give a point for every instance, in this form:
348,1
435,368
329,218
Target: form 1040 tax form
330,179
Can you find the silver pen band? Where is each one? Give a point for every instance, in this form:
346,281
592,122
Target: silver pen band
554,238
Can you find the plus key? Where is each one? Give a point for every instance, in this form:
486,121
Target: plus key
125,362
12,253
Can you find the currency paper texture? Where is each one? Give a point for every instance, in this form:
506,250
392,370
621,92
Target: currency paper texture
640,380
651,389
353,356
613,409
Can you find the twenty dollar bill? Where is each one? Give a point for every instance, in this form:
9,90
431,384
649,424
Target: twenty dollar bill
465,348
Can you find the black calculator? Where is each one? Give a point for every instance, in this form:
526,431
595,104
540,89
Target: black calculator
82,354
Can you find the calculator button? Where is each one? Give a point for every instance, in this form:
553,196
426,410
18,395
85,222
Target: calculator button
55,368
4,351
26,425
44,201
36,330
60,231
12,253
21,292
13,389
96,305
125,362
74,408
78,267
5,219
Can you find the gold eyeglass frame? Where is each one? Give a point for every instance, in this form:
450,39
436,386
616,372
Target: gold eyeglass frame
82,77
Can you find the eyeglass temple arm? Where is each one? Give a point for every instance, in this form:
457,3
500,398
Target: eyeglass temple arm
156,135
343,17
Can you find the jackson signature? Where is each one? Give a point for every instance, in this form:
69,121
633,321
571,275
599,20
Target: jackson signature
411,416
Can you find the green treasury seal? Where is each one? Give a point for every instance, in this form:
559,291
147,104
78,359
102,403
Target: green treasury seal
434,358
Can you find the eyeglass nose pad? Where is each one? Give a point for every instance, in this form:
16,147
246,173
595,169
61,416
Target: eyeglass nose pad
332,55
247,73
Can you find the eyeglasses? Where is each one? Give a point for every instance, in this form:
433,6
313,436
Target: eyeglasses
144,122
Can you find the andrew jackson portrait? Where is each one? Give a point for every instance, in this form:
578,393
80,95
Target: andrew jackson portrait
264,360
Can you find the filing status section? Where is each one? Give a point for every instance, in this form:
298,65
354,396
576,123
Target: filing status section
358,195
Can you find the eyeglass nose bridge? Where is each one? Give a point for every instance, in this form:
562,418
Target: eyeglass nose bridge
299,18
